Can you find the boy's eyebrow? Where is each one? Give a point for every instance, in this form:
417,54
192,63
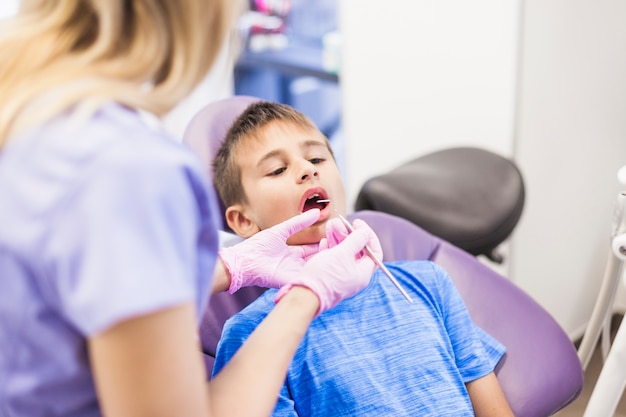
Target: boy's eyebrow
313,143
307,144
269,155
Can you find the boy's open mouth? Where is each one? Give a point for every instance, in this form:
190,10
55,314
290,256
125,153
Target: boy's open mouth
315,201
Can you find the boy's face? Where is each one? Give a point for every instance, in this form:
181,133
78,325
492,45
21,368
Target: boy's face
284,172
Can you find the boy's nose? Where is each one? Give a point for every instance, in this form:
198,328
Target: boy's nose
309,171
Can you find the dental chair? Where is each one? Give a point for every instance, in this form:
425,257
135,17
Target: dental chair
540,372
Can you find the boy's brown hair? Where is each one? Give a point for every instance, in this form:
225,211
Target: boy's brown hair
227,174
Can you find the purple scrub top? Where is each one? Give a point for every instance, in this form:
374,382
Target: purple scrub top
101,219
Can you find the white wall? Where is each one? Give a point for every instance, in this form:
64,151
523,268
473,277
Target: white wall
542,81
8,8
419,75
571,140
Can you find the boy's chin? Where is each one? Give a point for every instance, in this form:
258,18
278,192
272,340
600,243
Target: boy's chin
309,236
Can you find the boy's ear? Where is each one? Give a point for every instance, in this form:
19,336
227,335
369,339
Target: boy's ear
239,222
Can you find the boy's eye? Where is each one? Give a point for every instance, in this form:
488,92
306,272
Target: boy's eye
277,171
316,161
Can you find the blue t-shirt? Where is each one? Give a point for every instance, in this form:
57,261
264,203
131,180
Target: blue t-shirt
375,354
101,220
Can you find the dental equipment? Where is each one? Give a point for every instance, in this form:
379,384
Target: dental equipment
370,253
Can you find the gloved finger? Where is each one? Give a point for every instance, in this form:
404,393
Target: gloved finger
336,231
364,266
323,244
355,242
373,243
305,251
297,223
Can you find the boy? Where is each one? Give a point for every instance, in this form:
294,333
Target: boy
373,354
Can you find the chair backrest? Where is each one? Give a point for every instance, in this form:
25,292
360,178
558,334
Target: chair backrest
203,135
469,196
540,373
206,131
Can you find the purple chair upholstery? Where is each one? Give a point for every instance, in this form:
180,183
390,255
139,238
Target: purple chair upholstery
203,135
540,373
221,307
208,127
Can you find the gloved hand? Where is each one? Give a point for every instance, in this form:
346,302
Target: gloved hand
336,232
265,259
341,270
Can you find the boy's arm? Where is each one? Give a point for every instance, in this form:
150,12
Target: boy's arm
487,397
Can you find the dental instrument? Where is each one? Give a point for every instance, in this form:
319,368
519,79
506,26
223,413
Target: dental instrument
372,256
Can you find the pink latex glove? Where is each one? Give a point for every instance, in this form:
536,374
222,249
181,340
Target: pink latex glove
336,232
341,270
265,259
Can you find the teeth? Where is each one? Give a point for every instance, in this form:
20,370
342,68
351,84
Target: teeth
317,199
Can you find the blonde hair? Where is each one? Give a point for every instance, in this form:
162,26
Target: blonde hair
146,54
